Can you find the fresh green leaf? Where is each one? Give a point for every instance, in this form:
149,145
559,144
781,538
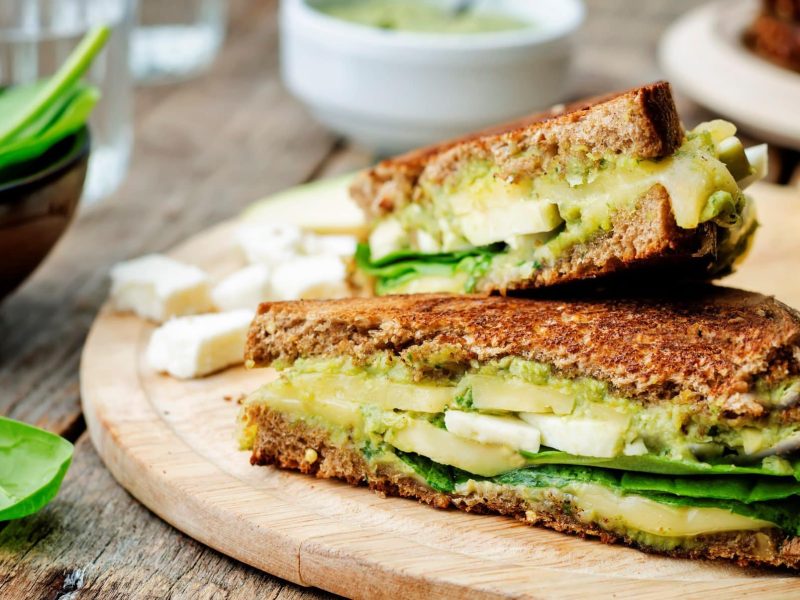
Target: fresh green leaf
73,116
399,267
442,478
760,498
17,121
652,464
33,463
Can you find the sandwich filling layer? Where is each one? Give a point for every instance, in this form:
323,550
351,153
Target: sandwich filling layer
662,473
480,220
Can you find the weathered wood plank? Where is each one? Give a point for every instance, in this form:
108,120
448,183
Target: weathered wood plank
94,540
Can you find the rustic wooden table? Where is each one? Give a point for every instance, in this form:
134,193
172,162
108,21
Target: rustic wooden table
204,150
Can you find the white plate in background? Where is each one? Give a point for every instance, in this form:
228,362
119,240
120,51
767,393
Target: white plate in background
704,57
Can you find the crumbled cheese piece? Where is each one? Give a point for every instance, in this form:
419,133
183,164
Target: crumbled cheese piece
157,287
194,346
269,244
245,288
310,277
332,245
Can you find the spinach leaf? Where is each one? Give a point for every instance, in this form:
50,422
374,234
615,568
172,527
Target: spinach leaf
652,464
399,267
442,478
72,116
25,114
33,463
770,500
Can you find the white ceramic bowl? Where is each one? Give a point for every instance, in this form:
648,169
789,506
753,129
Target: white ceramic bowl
394,90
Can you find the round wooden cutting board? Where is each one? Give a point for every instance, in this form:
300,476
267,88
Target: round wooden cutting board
172,444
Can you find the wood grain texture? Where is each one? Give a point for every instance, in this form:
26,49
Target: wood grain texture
172,444
98,542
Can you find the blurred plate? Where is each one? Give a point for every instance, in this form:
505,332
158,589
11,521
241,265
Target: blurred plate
703,55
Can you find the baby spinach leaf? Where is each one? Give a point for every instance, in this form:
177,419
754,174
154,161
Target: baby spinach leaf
651,464
25,114
74,114
33,463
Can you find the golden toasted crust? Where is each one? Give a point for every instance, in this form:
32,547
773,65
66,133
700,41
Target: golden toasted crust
705,342
641,122
283,442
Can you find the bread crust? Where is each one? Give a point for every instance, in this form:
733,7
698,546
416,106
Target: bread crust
699,344
641,122
284,443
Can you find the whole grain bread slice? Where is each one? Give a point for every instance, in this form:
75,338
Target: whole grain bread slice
699,343
286,442
642,123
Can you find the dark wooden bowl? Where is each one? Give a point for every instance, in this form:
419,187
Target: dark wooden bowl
37,202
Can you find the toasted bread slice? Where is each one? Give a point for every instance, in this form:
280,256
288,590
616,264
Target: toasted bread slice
291,443
708,343
607,186
642,122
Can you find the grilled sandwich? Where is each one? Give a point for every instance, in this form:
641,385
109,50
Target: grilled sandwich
670,424
606,187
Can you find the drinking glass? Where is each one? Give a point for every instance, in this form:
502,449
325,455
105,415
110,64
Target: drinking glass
176,39
36,36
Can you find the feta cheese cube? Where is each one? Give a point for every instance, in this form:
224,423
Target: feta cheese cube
245,288
332,245
194,346
489,429
269,244
157,287
310,277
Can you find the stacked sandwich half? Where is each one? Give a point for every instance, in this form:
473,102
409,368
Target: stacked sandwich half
667,420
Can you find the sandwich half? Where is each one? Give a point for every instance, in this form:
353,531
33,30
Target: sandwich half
670,425
594,189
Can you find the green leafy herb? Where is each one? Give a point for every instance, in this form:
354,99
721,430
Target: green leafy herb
653,464
442,478
34,117
399,267
47,93
33,463
770,500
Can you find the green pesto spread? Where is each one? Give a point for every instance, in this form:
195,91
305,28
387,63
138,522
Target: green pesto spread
418,16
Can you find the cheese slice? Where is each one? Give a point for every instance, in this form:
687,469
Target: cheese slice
489,429
157,287
245,288
194,346
496,393
309,277
596,435
421,437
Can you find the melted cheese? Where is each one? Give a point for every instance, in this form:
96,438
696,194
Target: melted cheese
384,393
446,448
597,503
495,393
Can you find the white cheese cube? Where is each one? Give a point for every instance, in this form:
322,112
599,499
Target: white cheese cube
245,288
310,277
331,245
488,429
194,346
269,244
157,287
581,436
